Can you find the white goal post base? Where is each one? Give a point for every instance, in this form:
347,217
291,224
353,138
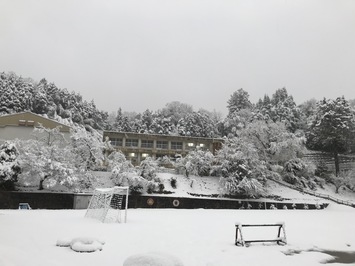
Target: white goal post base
107,204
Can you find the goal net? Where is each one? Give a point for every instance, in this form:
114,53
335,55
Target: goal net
108,204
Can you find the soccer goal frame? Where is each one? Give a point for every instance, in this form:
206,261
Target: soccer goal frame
106,204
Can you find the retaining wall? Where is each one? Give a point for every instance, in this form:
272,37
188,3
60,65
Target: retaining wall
43,200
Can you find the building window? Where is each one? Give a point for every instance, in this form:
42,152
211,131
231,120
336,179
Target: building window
116,142
190,144
202,145
132,155
131,143
145,155
162,145
147,144
176,145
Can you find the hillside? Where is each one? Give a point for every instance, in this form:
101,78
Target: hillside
208,187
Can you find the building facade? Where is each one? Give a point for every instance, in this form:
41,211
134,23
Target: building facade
21,125
137,146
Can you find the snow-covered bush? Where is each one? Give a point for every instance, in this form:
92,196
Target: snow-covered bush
45,164
300,173
151,186
292,179
88,148
9,166
173,182
136,184
241,170
184,166
148,168
120,167
247,187
165,161
343,180
197,162
322,170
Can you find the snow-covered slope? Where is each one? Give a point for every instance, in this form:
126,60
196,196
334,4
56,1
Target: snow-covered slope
208,186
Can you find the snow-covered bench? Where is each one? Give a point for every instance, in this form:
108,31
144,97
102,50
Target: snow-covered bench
24,206
280,238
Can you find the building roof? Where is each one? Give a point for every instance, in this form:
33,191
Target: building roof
140,135
31,120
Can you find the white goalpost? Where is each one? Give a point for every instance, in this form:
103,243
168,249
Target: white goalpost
106,204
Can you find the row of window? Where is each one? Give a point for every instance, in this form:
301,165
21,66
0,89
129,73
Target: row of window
160,144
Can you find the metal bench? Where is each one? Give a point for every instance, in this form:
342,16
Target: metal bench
280,238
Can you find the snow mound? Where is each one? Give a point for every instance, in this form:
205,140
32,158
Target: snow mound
82,244
338,207
152,259
64,242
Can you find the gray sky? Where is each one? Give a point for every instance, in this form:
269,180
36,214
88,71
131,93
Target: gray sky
142,54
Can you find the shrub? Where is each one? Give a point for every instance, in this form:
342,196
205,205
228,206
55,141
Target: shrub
151,187
161,187
173,182
249,187
136,184
148,168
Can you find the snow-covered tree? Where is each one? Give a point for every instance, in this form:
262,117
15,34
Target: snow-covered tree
280,108
19,94
202,161
45,165
196,124
238,100
49,137
308,111
273,142
184,166
242,172
88,148
333,128
146,122
148,168
162,125
46,160
120,167
176,111
300,172
344,179
236,121
9,166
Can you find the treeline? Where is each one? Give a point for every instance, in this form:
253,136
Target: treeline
19,94
263,140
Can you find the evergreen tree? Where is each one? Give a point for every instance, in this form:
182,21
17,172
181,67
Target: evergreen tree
332,129
9,166
176,111
280,108
238,100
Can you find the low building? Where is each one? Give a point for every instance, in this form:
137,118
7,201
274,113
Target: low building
137,146
21,125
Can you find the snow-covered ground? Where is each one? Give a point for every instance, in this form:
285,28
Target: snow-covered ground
195,237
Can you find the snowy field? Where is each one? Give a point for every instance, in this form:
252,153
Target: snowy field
195,237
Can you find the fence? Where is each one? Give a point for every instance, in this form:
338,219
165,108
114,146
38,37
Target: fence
319,195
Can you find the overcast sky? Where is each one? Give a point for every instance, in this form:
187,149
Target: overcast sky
142,54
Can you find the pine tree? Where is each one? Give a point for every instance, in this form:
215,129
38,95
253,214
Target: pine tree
280,108
238,100
333,128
